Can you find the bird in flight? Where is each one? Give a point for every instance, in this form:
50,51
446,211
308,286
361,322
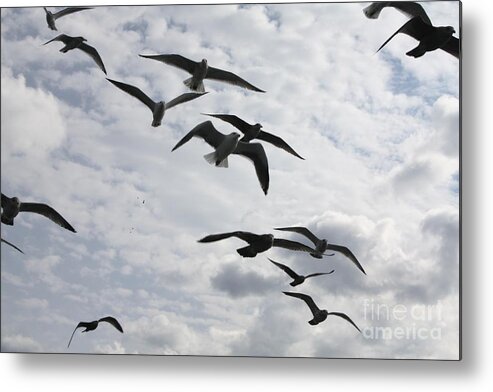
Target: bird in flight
298,279
320,315
257,243
321,245
92,325
251,132
200,71
78,43
12,206
12,245
224,145
52,16
157,108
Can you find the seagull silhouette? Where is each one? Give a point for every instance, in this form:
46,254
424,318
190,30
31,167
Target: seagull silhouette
157,108
319,315
12,245
92,325
12,206
298,279
52,16
200,71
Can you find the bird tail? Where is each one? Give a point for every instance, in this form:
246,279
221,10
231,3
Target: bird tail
247,251
7,221
312,322
416,52
212,159
199,87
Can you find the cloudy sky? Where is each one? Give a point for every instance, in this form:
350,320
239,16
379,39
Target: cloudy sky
379,133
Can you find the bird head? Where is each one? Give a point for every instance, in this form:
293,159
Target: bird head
16,201
450,30
236,135
257,127
204,62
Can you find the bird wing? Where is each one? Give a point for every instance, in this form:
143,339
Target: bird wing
242,235
69,10
301,230
229,77
309,301
278,142
5,200
183,98
113,321
409,8
235,121
82,324
346,252
319,273
135,92
48,212
452,46
415,28
175,60
12,245
206,131
285,268
292,245
345,317
93,53
256,153
62,37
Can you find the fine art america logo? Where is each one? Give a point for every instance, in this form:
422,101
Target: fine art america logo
402,322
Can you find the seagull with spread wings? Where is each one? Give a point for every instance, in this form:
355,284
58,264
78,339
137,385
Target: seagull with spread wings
319,315
257,243
52,16
255,131
78,43
12,245
321,245
200,71
157,108
92,325
12,206
224,145
298,279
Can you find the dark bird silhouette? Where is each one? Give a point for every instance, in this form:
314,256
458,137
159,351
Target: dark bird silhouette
408,8
200,71
12,206
251,132
321,245
52,16
430,38
298,279
12,245
78,43
319,315
257,243
225,145
157,108
92,325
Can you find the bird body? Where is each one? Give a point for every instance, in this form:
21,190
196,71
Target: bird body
220,156
92,325
297,279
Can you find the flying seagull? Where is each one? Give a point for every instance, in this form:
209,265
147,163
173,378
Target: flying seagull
257,243
298,279
92,325
51,17
200,71
12,245
12,206
254,132
322,245
409,8
225,145
157,108
430,38
318,314
78,43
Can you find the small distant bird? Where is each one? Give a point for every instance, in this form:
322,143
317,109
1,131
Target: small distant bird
78,43
257,243
12,245
322,245
225,145
200,71
430,37
157,108
92,325
409,8
12,206
51,17
318,314
254,132
298,279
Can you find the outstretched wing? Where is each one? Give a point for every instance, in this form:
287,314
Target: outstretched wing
206,131
415,28
231,78
93,53
135,92
292,245
174,60
113,321
12,245
69,10
346,252
301,230
82,324
48,212
242,235
345,317
319,274
285,268
183,98
409,8
62,37
235,121
308,300
256,153
278,142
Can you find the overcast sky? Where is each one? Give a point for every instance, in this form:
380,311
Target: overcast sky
379,133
